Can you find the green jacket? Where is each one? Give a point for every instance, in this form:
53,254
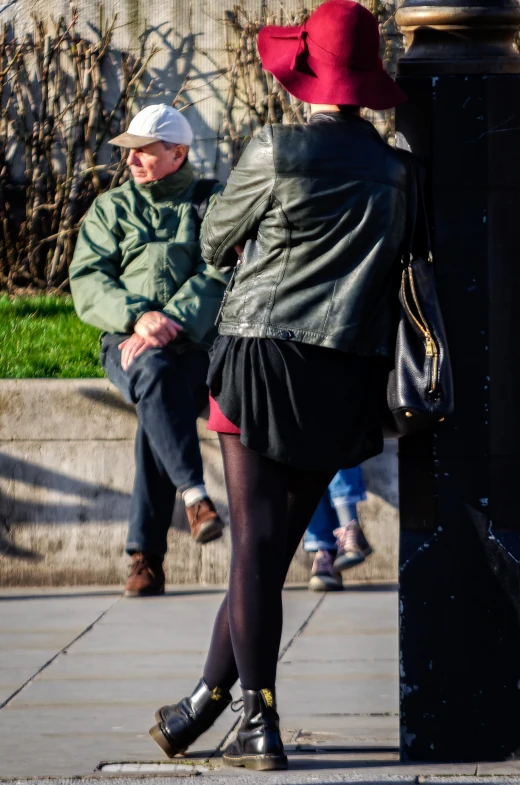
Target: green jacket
138,250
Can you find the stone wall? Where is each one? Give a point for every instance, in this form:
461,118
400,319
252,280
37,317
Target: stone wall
66,473
66,447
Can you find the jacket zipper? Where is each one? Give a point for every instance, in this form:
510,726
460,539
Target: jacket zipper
226,293
431,347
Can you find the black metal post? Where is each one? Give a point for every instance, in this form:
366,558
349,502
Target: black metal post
460,486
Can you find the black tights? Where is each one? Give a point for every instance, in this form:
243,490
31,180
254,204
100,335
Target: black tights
270,506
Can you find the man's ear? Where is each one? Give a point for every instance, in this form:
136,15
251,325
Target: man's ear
181,152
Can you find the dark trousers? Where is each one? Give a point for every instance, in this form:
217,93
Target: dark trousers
169,391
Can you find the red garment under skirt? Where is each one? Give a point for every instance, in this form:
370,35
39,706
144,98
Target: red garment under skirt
218,421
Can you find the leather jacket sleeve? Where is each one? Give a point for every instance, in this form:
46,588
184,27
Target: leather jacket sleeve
240,208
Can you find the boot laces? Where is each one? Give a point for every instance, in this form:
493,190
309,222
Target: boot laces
237,705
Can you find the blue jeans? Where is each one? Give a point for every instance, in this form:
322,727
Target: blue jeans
346,488
169,391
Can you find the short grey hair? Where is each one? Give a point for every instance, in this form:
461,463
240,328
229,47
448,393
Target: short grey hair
171,145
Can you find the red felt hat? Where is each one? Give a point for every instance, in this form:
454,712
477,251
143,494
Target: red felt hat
331,59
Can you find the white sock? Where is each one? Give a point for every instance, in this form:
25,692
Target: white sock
193,495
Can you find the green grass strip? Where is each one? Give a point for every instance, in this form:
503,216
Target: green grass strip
41,337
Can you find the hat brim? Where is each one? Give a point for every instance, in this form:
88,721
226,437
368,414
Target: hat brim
319,83
132,140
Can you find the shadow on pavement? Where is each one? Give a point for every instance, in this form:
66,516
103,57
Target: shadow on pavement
317,764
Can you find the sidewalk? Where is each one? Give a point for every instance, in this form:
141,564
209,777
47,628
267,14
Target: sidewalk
81,674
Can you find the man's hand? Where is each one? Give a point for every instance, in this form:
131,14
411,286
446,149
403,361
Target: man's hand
130,349
156,328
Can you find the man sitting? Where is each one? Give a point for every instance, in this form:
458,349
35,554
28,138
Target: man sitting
138,275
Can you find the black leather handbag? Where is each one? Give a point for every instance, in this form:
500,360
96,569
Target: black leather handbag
420,386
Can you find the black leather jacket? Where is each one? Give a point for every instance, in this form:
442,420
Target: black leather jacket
321,209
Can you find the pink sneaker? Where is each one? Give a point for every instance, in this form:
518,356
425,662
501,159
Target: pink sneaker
353,546
324,577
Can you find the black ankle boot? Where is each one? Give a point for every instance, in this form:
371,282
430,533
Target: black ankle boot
179,725
258,744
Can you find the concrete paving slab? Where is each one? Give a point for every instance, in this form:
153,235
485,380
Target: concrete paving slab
340,697
32,659
337,698
368,777
338,682
97,700
57,612
362,669
315,770
13,675
347,732
52,640
117,666
73,740
304,768
353,612
12,678
351,626
500,767
128,694
36,630
338,702
344,648
182,626
338,692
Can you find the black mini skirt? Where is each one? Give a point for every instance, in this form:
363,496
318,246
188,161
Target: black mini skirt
303,405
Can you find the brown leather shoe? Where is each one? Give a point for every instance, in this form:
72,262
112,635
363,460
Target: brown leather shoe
204,521
146,578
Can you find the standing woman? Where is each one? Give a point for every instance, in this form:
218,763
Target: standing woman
298,371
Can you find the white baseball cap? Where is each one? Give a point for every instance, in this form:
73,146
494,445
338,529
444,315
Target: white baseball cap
156,123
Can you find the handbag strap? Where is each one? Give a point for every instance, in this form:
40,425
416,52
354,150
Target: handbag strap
418,230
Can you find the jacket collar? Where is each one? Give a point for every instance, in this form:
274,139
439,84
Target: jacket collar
347,119
170,187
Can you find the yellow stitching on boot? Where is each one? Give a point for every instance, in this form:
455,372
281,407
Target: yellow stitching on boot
268,697
216,694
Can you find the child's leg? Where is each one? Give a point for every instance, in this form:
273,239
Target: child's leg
320,532
346,490
319,538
